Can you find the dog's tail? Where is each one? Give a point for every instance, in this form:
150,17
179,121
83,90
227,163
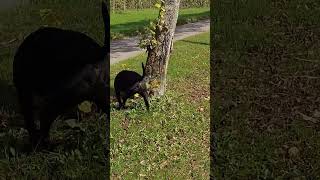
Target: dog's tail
143,70
106,22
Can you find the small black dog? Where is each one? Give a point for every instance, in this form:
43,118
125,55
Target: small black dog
56,69
130,83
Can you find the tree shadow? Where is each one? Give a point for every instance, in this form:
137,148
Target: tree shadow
183,18
126,28
11,121
10,117
194,42
112,92
8,98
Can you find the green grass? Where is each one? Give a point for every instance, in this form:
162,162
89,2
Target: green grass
172,140
265,75
132,21
79,152
75,153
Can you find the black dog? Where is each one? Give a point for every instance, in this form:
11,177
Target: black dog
54,70
130,83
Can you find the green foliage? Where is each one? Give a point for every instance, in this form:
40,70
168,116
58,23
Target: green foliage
149,38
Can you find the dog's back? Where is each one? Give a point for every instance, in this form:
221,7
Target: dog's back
49,55
126,79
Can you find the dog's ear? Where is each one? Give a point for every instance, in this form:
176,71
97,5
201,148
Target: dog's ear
143,70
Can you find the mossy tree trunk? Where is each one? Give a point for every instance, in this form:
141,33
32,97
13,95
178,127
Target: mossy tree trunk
158,55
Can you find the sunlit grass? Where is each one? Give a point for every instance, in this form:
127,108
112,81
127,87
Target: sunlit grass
172,140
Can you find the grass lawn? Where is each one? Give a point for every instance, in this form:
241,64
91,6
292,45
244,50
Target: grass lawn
130,22
172,140
79,152
266,89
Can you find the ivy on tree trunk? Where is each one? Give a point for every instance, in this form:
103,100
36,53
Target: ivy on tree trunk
159,47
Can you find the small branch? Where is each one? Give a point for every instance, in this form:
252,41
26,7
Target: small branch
307,60
305,76
6,44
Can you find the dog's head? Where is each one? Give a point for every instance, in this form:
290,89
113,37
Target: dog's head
140,86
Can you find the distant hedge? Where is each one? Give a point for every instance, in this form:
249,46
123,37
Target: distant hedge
122,5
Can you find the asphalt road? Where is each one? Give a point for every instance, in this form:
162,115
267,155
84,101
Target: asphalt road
127,48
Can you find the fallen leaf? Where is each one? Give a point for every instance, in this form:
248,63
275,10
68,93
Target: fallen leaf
142,162
285,146
316,114
85,106
12,151
163,164
72,123
308,118
293,151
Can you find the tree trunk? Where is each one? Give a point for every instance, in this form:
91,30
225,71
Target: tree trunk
124,5
114,6
158,56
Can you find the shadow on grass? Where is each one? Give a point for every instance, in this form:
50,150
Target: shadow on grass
186,18
113,98
193,42
130,28
262,99
112,92
10,121
8,98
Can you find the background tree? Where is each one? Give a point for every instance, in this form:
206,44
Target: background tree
159,43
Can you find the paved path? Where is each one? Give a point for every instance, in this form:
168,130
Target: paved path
126,48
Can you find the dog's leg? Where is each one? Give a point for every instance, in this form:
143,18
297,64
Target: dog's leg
45,125
145,98
124,100
119,99
100,97
26,105
47,115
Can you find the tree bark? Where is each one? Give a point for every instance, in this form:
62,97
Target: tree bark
158,56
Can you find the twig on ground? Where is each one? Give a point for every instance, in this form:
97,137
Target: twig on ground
6,44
